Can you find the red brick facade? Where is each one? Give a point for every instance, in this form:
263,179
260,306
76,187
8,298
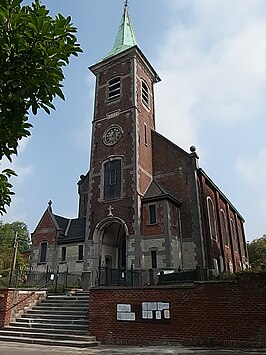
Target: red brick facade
234,250
214,313
45,231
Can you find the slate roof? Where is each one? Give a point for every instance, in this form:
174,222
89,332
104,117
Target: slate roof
73,231
62,222
156,192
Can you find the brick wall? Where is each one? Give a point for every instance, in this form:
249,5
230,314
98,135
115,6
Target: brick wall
21,298
210,313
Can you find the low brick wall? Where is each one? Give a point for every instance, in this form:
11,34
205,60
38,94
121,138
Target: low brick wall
203,313
13,302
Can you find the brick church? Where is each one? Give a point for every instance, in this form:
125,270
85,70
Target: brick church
145,203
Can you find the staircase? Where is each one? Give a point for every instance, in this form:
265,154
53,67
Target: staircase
58,320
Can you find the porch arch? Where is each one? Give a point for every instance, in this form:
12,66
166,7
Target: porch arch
110,242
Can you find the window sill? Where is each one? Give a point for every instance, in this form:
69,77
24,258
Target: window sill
42,263
152,224
112,199
62,262
111,101
79,261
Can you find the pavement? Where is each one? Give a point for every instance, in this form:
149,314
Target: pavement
32,349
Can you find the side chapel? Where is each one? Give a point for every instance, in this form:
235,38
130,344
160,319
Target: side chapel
145,202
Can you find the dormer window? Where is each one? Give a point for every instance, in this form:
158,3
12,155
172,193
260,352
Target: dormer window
114,89
145,93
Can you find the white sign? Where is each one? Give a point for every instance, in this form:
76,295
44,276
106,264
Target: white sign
123,312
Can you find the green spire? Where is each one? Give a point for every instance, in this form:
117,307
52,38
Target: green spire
125,37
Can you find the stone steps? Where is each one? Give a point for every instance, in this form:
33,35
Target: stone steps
20,326
49,342
45,328
58,320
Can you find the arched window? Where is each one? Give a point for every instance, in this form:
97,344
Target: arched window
43,252
211,216
145,93
112,179
234,235
114,89
224,228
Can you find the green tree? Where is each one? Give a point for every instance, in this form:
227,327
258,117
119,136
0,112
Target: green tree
34,48
257,253
7,237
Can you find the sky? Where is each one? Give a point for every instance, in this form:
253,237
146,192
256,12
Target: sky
211,57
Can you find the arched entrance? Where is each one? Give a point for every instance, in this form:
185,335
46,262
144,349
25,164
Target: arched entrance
110,243
113,248
109,249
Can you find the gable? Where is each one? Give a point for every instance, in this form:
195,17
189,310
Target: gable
45,230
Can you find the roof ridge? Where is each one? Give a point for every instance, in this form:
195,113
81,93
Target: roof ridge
68,226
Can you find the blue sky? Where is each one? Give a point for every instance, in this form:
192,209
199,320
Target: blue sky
211,57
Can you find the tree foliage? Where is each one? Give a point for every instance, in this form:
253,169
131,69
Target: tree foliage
257,253
7,237
34,48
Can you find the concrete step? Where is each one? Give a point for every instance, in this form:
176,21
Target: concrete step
61,305
68,298
53,321
76,344
58,311
65,328
68,305
54,336
55,316
26,328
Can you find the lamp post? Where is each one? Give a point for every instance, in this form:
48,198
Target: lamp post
14,260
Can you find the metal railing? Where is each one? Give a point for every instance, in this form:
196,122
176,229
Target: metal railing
55,281
121,277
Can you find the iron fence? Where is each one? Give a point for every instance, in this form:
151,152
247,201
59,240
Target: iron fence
54,281
121,277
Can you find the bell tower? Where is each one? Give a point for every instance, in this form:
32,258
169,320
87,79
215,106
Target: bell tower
121,151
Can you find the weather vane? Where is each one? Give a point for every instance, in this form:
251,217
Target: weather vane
126,3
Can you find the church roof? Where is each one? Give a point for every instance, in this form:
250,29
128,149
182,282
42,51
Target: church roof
73,230
125,37
157,192
61,221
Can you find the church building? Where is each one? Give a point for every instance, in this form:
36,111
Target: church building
144,203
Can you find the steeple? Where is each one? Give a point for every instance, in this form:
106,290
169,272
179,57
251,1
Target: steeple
125,37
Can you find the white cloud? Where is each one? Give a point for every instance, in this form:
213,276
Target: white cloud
23,171
213,67
16,212
253,169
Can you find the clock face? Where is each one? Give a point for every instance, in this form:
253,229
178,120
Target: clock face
112,135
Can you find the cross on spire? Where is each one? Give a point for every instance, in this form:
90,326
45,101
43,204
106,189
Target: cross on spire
126,3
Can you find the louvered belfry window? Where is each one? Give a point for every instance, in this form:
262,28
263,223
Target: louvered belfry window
114,89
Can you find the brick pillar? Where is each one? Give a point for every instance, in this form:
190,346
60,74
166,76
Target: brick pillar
6,302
